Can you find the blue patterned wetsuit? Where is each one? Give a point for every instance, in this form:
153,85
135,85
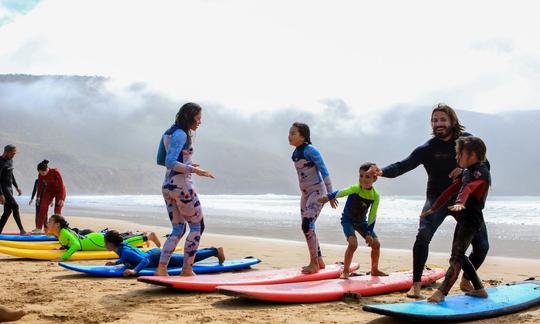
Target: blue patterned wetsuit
314,181
438,158
182,202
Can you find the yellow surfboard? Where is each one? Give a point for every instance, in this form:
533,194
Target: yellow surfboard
53,254
50,245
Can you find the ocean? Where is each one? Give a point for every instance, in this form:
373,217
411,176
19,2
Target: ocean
513,221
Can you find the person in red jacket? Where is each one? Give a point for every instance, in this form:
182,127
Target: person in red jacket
50,186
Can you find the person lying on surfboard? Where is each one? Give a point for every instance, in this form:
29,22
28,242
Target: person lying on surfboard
58,227
472,190
362,197
135,260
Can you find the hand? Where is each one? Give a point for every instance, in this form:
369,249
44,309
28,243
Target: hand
18,191
203,173
374,171
30,202
129,272
110,263
58,260
426,213
457,207
369,240
322,200
334,203
195,165
2,199
60,203
455,173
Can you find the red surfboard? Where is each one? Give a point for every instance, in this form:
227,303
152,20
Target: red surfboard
264,277
329,290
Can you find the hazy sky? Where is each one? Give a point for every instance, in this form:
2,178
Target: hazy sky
268,55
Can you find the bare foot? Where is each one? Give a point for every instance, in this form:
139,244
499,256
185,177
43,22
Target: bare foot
221,255
480,293
36,231
312,268
153,237
344,275
378,273
23,232
161,271
7,315
322,265
437,297
465,285
187,272
415,291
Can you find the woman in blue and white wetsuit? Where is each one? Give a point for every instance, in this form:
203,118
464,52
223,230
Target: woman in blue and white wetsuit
183,205
315,182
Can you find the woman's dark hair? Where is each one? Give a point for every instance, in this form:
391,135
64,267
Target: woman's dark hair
457,128
303,129
59,219
43,165
186,117
113,237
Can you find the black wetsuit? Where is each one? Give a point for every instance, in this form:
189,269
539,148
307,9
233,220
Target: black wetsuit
7,181
472,190
438,158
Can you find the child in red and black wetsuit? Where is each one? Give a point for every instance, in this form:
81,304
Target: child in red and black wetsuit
50,186
472,189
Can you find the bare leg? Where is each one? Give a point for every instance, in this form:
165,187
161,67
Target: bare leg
153,238
375,254
221,255
7,315
351,247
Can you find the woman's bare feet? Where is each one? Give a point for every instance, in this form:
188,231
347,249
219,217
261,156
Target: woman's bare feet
221,255
480,293
465,285
153,237
378,273
312,268
415,291
161,271
7,315
187,272
437,297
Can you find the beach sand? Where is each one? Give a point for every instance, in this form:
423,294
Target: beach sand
51,294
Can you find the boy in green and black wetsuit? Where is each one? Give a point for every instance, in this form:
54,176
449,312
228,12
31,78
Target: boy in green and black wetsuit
362,197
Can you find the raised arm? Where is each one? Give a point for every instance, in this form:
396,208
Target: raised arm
404,166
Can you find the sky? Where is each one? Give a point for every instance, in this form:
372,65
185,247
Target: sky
256,56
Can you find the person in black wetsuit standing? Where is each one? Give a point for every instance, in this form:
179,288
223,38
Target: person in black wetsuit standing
437,156
7,181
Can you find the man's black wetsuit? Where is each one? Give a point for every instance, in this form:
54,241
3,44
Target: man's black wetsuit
7,181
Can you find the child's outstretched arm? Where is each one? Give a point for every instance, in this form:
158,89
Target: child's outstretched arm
443,198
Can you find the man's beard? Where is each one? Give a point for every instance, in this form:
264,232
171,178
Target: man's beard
442,132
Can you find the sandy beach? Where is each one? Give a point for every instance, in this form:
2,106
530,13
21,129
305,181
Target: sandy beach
50,294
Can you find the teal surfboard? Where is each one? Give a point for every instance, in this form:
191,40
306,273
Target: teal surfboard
504,299
200,267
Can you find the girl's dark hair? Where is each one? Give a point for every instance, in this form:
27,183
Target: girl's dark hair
43,165
457,128
303,129
472,144
113,237
59,219
186,117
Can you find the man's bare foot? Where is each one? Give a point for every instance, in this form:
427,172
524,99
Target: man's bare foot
344,275
480,293
415,291
23,232
187,273
7,315
437,297
312,268
465,285
153,237
221,255
378,273
161,271
322,265
36,231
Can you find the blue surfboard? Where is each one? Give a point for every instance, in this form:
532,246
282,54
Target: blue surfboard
201,267
28,238
504,299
